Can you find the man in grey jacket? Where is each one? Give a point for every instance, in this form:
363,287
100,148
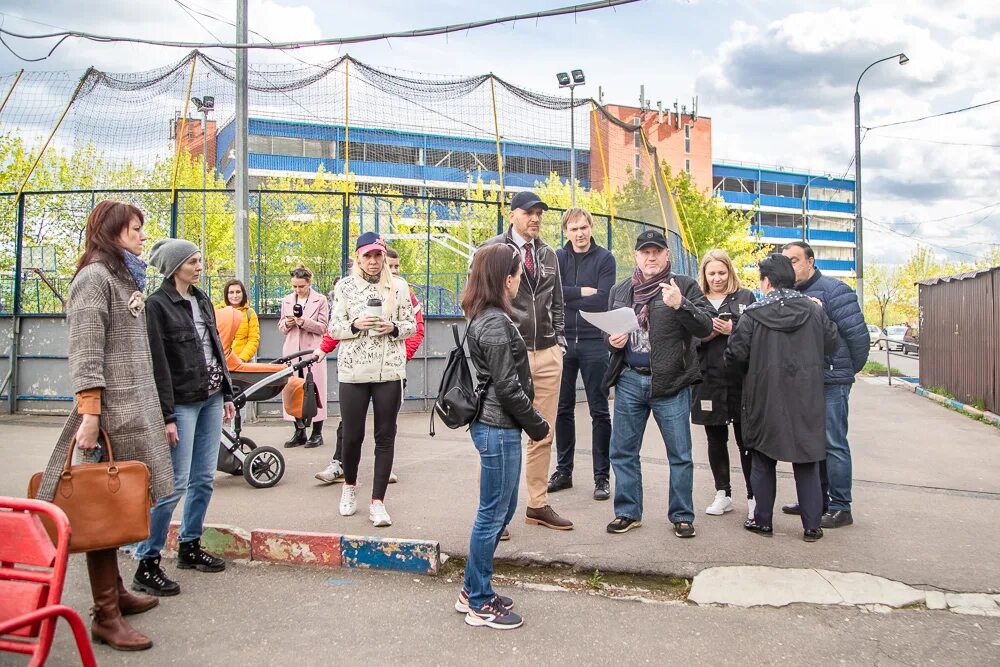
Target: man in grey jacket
539,315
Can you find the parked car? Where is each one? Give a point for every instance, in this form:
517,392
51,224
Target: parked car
874,333
893,338
911,341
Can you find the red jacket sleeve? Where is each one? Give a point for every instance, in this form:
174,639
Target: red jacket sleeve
413,342
328,343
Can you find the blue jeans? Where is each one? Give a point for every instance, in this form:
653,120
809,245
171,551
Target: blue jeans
499,473
199,427
673,416
589,358
838,450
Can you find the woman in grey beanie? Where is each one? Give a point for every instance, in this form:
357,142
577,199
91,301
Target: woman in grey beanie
195,397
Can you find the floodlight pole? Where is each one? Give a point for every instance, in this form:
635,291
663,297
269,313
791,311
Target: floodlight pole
572,151
204,184
242,203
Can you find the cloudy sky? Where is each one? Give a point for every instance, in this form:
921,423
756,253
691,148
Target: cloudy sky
776,77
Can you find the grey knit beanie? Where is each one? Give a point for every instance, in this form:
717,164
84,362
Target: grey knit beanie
168,255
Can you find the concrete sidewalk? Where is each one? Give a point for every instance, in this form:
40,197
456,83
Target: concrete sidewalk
926,499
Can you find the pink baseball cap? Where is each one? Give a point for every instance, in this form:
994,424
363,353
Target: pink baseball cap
368,242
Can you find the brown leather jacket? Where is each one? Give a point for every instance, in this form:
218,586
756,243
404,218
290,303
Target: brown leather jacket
538,307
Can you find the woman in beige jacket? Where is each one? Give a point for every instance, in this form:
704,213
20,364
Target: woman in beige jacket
372,318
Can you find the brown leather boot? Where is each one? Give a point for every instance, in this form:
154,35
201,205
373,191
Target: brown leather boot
548,517
108,626
133,603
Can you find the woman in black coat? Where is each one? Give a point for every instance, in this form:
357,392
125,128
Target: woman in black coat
780,345
716,400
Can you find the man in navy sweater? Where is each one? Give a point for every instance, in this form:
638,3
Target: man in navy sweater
588,274
841,306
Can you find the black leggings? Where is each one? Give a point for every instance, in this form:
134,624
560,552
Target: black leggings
718,456
385,397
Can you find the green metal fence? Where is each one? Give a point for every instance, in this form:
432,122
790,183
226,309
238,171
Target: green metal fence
41,236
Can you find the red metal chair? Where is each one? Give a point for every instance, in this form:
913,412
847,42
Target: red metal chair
32,572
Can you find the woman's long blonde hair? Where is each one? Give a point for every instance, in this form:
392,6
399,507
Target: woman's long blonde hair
717,255
386,285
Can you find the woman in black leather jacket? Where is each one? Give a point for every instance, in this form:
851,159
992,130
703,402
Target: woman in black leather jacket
500,358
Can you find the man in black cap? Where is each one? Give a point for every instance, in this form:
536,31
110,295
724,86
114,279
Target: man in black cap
653,368
538,314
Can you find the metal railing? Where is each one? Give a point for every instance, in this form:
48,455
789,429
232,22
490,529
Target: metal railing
904,346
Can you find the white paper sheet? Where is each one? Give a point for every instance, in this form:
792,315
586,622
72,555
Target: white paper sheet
613,322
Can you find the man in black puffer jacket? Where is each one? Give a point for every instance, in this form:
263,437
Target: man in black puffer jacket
653,369
841,305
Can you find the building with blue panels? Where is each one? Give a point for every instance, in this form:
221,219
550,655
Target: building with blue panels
413,162
793,206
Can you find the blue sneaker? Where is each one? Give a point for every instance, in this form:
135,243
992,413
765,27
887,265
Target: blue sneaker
493,615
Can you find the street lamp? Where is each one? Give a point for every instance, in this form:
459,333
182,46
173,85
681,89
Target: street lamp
572,80
204,105
805,196
859,255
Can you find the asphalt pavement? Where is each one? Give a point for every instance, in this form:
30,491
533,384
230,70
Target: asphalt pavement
926,499
258,614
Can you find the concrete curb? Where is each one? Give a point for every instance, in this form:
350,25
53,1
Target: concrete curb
952,403
759,586
316,549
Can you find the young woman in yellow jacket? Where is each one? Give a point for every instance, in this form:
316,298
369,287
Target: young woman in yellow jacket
248,336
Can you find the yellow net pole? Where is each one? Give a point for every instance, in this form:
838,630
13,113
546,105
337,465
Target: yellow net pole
347,122
180,133
11,91
652,173
496,134
608,192
38,158
682,226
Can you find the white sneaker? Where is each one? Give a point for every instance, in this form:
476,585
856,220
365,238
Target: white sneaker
377,514
392,478
349,500
333,473
720,505
751,507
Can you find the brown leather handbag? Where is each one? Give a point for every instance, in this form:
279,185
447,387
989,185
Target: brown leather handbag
107,503
293,396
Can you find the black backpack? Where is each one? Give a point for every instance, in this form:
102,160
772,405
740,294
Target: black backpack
458,399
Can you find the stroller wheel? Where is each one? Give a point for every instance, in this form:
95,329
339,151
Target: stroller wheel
263,467
246,446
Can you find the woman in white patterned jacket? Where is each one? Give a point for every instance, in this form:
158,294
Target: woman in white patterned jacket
372,318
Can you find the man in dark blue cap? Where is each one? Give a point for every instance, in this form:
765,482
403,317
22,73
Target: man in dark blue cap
539,315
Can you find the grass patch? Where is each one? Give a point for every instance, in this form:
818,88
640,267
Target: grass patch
941,391
620,585
877,369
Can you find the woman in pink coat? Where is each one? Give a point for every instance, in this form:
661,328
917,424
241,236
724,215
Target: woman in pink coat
303,329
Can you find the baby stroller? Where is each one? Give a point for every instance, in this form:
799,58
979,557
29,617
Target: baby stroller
261,467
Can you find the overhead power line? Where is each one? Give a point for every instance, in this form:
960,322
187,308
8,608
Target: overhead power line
936,115
62,36
934,141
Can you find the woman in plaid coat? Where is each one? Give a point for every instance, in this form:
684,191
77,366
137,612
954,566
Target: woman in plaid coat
112,374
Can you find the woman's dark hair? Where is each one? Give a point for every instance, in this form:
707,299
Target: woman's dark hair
104,226
225,292
778,269
491,266
301,272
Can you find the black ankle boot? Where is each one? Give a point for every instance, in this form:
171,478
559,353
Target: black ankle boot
299,438
149,578
316,439
190,556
